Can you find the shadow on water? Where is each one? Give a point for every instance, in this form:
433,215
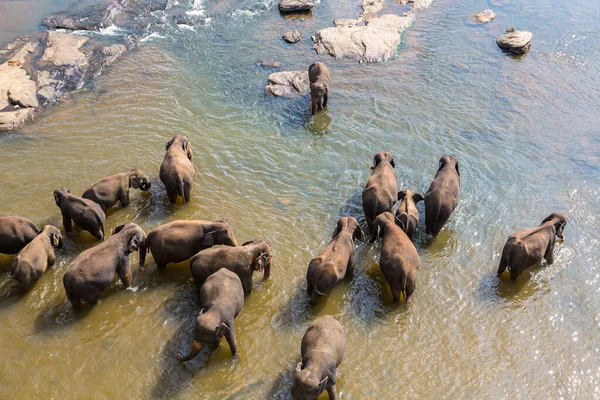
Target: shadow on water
319,124
492,288
282,386
296,311
59,315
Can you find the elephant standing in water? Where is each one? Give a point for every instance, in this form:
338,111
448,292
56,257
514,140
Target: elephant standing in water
15,233
94,270
528,247
323,348
335,261
221,299
399,259
381,192
442,197
244,260
318,74
177,171
407,215
86,213
36,257
112,189
178,241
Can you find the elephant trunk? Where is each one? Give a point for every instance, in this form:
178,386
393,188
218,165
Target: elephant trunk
196,347
267,271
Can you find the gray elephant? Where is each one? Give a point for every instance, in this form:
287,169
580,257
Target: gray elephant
84,212
244,260
15,233
323,348
221,300
177,171
318,75
442,197
94,270
178,241
112,189
335,261
399,259
381,192
31,262
407,215
530,246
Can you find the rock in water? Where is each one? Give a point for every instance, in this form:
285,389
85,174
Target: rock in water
269,63
63,49
286,6
485,16
288,84
375,42
292,36
517,42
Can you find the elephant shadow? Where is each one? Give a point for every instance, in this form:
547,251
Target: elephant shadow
492,288
10,292
59,315
296,311
282,386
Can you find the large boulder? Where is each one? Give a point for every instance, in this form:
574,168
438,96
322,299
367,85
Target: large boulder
63,49
288,84
375,42
287,6
517,42
485,16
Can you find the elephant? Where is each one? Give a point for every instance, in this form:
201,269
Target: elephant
442,197
318,74
407,215
244,260
335,261
15,233
323,348
178,241
221,300
528,247
112,189
177,171
85,212
381,192
399,259
31,262
94,270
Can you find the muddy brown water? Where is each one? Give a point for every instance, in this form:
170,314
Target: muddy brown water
527,138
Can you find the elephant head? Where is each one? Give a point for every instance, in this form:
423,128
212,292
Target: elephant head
220,234
136,240
55,235
416,197
307,385
208,331
351,224
261,256
449,161
383,156
59,195
181,140
137,180
381,224
559,220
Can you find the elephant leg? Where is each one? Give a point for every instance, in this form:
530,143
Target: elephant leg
325,97
514,274
501,267
76,301
230,337
124,271
172,195
313,107
124,199
187,195
410,290
92,294
98,233
332,392
395,294
350,266
549,256
67,223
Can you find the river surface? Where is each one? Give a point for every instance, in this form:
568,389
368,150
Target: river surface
527,135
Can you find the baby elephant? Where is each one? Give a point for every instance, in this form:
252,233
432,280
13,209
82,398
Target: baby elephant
177,171
399,259
442,197
323,348
318,74
243,260
381,192
407,215
335,261
94,270
221,299
528,247
15,233
178,241
86,213
32,261
112,189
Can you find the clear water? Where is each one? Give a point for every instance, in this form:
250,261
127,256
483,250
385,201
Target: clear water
526,132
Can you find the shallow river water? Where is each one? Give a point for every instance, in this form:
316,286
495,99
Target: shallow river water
526,133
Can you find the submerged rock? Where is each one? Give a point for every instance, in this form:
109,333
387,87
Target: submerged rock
105,56
485,16
348,23
63,49
517,42
375,42
269,63
286,6
292,36
288,84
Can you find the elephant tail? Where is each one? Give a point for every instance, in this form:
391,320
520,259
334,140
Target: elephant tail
317,291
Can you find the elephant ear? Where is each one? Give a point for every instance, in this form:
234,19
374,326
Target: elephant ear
417,198
299,367
401,195
323,383
202,311
457,170
222,329
133,244
358,233
337,229
209,238
55,239
393,164
189,154
56,198
376,233
169,143
118,229
400,223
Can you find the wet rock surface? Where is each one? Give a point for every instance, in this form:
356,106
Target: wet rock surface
516,42
485,16
292,36
288,84
287,6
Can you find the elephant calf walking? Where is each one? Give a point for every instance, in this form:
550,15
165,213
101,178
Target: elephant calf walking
442,197
323,348
115,188
528,247
407,215
177,171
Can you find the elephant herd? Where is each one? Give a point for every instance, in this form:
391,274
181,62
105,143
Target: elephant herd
223,274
